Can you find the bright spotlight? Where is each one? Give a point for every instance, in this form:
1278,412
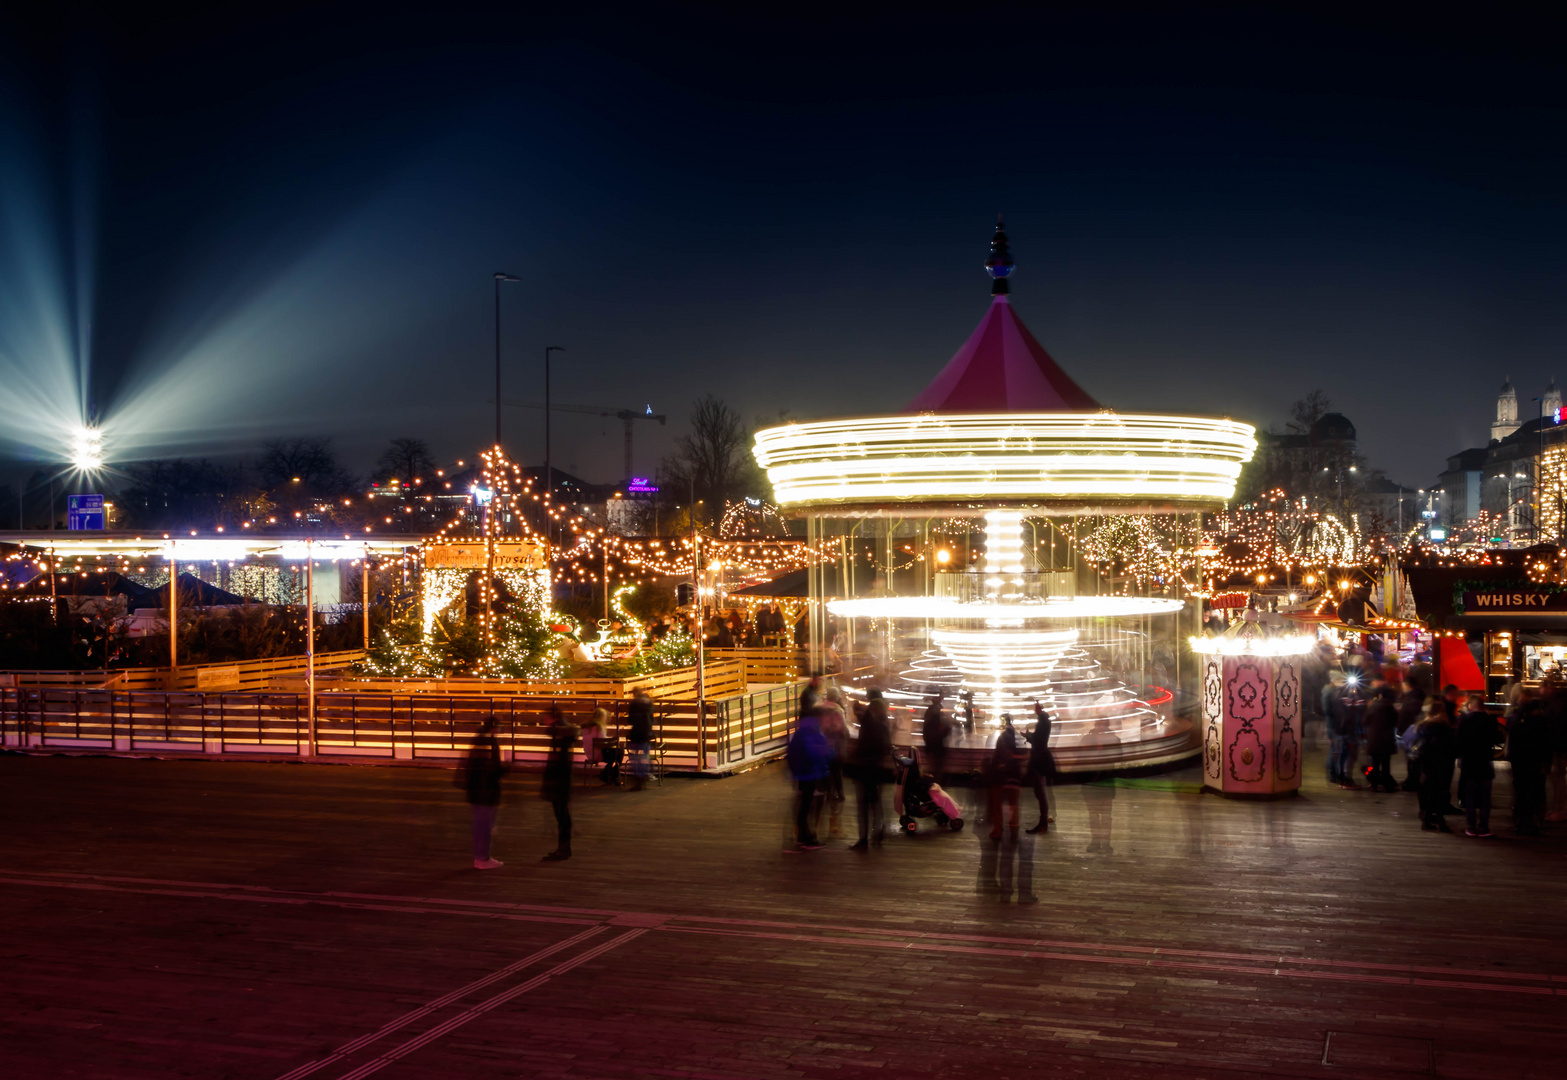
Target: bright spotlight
87,449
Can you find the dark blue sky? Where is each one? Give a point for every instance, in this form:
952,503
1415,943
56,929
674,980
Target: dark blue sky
286,220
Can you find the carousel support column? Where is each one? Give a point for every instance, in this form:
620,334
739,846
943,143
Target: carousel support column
174,624
310,645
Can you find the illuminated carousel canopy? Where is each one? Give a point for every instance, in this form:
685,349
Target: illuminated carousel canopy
1003,425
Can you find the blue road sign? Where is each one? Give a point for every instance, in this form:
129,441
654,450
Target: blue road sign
84,511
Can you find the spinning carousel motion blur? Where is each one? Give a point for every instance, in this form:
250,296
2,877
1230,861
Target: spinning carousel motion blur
960,529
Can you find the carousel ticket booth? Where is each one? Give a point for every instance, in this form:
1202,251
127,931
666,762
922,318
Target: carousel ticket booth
1251,706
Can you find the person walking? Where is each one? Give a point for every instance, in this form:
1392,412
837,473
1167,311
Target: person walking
1381,726
1041,766
1478,734
871,750
811,694
639,738
808,754
481,779
1437,749
1529,751
557,781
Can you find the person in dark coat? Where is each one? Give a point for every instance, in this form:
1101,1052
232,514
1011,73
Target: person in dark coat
557,781
871,750
639,737
1006,780
481,780
1477,738
1529,751
1438,750
933,731
1041,766
809,756
1410,703
1381,724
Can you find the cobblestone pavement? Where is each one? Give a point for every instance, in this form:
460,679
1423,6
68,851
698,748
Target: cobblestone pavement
218,919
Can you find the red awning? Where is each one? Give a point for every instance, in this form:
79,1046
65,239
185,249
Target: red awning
1457,665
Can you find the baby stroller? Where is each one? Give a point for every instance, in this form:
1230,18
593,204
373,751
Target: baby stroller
917,795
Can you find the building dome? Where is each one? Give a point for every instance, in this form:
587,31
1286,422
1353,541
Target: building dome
1506,411
1332,427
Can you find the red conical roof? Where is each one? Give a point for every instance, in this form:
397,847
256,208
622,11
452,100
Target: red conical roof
1001,368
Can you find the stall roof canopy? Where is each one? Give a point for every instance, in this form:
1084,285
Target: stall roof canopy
1001,368
193,591
794,583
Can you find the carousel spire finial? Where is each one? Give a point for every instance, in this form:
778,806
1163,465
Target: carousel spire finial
1000,264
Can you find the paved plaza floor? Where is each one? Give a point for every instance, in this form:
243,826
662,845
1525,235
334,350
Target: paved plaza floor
267,921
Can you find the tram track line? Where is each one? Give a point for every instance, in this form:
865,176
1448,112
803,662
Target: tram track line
355,1045
475,1011
1152,958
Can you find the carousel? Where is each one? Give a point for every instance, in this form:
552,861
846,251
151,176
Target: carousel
964,536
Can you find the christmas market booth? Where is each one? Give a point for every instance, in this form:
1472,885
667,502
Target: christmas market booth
1496,623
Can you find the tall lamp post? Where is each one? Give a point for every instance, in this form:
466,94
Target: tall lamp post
549,472
499,279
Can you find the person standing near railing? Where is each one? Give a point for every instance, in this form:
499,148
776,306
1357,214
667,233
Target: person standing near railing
481,779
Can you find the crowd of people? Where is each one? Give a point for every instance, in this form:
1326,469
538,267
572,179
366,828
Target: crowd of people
1372,713
820,755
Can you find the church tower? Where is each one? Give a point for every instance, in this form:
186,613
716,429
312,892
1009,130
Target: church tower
1506,412
1552,402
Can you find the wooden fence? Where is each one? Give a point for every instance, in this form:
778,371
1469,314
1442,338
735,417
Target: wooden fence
729,732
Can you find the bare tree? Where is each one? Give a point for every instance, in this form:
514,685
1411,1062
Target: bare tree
715,456
405,460
1307,411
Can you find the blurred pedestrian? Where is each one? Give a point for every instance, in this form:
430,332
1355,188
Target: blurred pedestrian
481,779
933,731
1381,727
557,780
835,729
1006,780
1529,751
871,750
1041,767
1556,724
811,694
1351,724
639,737
1437,748
1410,703
1333,714
1477,737
808,755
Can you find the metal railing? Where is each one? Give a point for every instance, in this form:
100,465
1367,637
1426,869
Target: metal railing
398,726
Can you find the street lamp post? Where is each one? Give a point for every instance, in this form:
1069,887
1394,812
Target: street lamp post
549,471
499,277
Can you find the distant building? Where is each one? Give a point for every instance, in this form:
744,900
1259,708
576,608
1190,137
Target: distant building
1500,478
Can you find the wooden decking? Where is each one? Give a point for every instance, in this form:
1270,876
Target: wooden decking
246,920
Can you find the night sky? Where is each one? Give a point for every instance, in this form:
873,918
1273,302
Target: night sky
284,220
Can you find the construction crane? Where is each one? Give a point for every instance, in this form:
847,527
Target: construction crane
627,416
